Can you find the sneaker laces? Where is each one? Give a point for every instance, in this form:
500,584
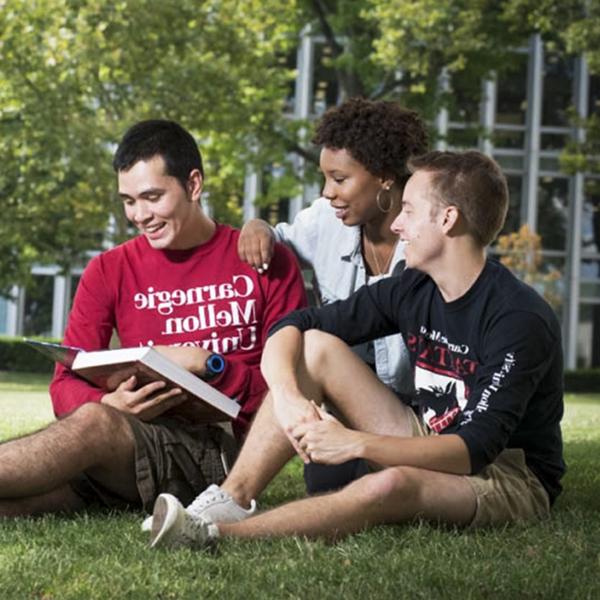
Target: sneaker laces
198,532
211,495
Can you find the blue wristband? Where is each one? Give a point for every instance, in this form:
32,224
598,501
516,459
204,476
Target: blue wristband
215,365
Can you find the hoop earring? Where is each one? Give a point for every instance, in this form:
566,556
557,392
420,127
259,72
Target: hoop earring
378,200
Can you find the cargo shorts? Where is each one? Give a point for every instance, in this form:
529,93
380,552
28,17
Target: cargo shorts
171,456
506,490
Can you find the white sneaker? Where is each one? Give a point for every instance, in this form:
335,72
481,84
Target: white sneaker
147,524
173,526
215,505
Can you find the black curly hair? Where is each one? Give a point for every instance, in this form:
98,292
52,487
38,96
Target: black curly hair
379,134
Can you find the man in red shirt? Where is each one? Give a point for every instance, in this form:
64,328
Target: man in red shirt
178,286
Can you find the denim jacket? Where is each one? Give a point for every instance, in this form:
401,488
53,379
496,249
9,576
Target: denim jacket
332,250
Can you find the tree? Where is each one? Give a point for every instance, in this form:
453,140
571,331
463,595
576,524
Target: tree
76,73
428,38
521,252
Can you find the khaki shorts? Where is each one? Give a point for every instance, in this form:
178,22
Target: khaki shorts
170,457
506,491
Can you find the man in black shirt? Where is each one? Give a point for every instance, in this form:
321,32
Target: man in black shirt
479,444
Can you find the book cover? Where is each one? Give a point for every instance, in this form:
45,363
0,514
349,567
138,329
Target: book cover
108,368
65,355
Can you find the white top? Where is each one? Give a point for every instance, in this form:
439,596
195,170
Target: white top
322,242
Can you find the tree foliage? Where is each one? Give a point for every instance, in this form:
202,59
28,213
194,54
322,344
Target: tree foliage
521,252
426,38
76,73
475,38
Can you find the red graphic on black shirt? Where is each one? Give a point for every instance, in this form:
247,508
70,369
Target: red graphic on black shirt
439,405
441,390
439,357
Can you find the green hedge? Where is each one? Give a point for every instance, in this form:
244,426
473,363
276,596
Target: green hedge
16,355
583,381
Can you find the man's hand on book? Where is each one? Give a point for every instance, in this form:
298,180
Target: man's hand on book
147,402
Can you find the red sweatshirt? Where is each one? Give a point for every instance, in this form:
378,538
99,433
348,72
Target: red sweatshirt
204,296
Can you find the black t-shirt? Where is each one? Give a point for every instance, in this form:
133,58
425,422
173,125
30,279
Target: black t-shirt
487,367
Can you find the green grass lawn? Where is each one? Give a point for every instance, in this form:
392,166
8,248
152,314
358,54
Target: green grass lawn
106,556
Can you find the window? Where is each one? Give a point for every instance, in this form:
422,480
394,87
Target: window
559,74
588,336
288,61
74,283
549,162
513,218
462,138
553,212
276,212
591,217
554,141
594,97
508,138
39,296
3,315
325,86
589,288
464,98
512,88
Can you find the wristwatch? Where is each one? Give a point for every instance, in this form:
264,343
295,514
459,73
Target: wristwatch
215,365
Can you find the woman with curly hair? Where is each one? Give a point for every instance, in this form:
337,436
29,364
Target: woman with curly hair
344,236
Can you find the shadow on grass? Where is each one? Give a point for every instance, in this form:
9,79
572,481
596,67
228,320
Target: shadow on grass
581,484
287,486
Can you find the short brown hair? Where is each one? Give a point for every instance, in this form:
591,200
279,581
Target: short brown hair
474,183
380,134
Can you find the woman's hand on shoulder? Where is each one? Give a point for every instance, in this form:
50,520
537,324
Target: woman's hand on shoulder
256,244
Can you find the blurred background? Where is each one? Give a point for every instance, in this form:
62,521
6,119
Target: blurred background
518,79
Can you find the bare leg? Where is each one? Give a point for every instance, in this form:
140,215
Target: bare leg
62,499
395,495
95,439
352,387
264,453
327,368
266,449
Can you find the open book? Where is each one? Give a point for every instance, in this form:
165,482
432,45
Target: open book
108,368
